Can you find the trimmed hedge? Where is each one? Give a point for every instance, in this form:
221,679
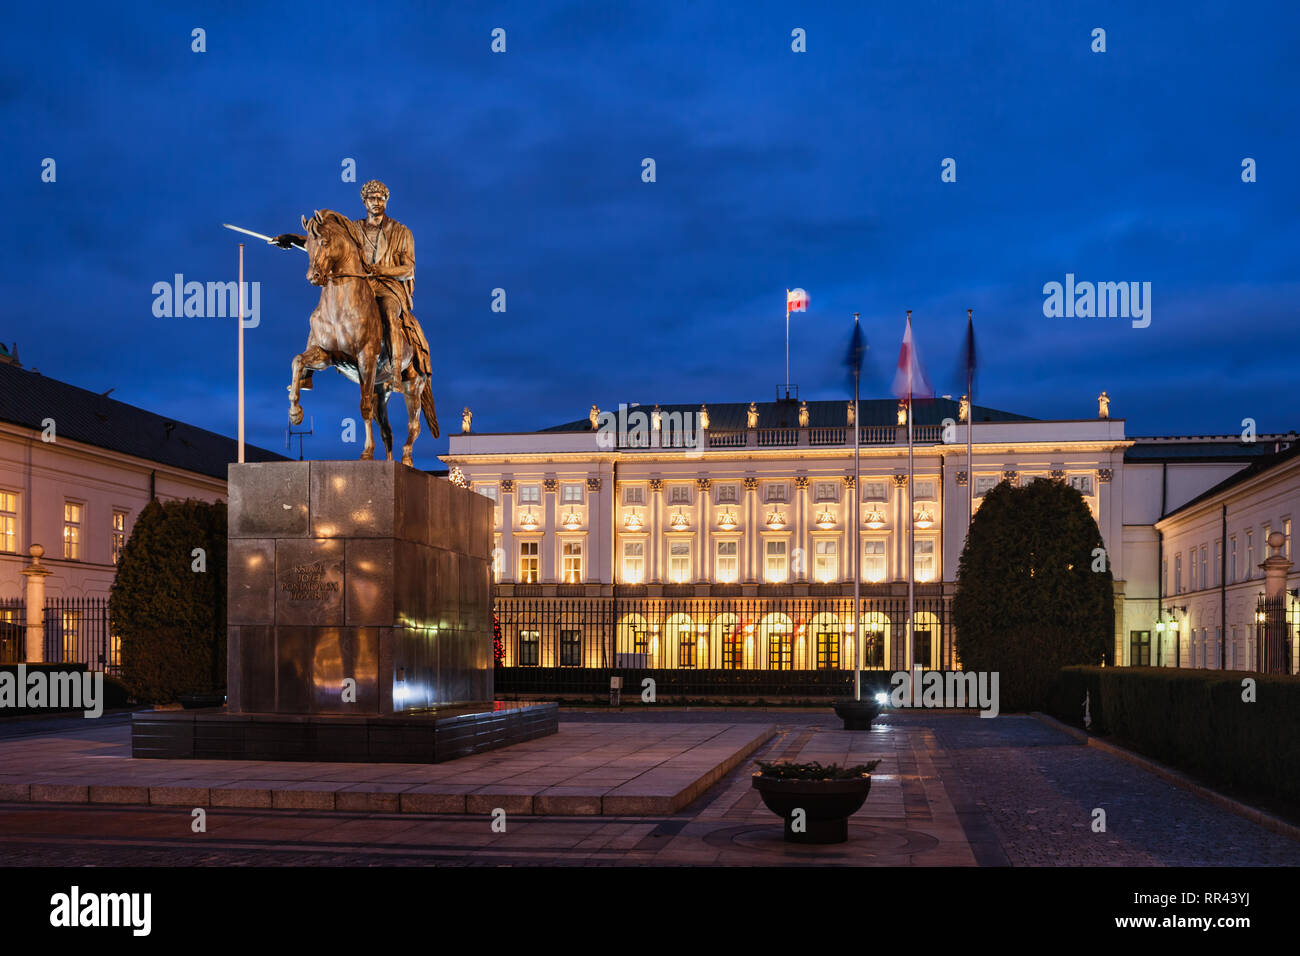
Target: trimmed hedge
1195,720
171,617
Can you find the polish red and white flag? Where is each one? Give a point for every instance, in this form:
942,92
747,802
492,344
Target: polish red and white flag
910,381
796,300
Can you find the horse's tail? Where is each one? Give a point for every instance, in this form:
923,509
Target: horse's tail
426,403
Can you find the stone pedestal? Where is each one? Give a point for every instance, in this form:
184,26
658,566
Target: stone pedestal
368,570
359,617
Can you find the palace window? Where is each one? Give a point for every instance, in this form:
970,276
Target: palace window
1264,545
774,567
572,562
825,561
828,650
776,492
733,649
679,562
571,494
826,491
570,648
1081,483
924,491
1286,530
72,514
687,649
530,645
634,495
679,495
873,561
633,562
8,522
727,494
1232,560
727,568
1205,566
1218,562
1191,570
488,491
119,534
1178,574
530,494
923,562
875,491
873,648
528,564
1250,555
780,647
985,483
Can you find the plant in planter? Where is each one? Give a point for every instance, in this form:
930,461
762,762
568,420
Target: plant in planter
814,801
857,714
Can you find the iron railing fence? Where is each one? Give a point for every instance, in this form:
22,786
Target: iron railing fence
77,631
803,644
13,630
1274,652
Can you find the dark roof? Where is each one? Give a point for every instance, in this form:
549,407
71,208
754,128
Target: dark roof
27,398
733,416
1223,449
1257,467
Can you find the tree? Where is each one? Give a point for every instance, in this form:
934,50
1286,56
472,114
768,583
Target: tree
1034,590
168,601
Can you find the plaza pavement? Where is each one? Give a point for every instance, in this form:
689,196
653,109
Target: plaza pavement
952,790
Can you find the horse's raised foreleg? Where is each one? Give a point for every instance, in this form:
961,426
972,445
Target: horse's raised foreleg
313,358
385,429
411,390
368,369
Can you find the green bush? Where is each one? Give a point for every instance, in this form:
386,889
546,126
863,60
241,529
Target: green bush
171,618
1028,601
1196,720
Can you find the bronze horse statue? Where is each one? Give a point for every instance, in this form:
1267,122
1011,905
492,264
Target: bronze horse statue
347,332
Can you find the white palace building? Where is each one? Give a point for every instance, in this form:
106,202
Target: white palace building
720,536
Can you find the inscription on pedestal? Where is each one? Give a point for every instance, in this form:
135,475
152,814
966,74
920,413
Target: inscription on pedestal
309,582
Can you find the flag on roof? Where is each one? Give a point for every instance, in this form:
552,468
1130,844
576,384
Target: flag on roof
910,381
796,300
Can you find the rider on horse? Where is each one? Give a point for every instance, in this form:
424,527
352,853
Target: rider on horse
388,251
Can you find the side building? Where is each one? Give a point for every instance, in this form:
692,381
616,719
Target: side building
76,470
720,536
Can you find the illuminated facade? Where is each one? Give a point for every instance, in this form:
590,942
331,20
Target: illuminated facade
641,539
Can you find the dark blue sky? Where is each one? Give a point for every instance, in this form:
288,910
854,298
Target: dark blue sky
523,171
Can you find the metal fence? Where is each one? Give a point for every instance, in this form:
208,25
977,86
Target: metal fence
755,645
1273,638
77,631
13,630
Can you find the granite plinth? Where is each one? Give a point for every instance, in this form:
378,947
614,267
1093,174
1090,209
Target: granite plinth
365,573
428,736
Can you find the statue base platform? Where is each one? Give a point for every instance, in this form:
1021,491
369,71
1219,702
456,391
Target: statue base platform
424,736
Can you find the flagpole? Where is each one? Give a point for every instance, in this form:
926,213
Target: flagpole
857,532
970,425
241,353
787,343
911,515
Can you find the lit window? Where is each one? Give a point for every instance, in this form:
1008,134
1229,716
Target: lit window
487,491
634,495
774,569
826,491
530,642
119,533
528,566
825,561
72,513
727,569
572,562
8,522
679,561
633,562
571,494
1286,530
679,495
924,559
530,494
873,561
